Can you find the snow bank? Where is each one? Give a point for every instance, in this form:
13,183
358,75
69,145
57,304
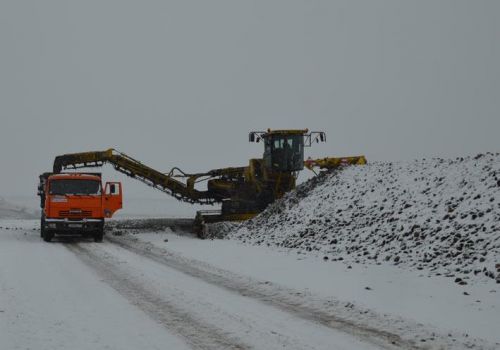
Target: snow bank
441,216
11,211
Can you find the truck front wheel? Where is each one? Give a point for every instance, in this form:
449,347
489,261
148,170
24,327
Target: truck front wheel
42,227
98,235
47,235
44,233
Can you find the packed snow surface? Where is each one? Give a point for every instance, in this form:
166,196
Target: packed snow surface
429,312
439,216
121,294
49,300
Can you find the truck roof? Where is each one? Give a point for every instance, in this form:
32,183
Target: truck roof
76,176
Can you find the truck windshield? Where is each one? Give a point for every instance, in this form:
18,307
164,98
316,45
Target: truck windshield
82,187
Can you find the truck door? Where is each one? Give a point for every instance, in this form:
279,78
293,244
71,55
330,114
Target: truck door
112,198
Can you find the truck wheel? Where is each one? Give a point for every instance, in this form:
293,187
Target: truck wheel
42,227
98,236
47,236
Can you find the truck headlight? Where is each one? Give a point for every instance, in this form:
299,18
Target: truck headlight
53,225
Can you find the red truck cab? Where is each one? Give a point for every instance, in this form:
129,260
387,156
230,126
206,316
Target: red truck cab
76,204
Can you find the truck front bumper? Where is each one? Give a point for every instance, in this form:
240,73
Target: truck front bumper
72,225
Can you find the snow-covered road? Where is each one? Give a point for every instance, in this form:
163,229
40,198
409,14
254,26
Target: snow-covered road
114,295
50,300
161,290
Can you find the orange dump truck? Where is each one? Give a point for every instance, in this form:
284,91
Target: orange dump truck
76,204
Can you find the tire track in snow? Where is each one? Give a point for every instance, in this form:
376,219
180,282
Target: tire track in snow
197,334
264,293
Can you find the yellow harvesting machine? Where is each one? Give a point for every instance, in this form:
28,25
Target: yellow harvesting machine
243,192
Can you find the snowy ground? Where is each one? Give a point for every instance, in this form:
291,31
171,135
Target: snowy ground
9,210
161,290
50,300
125,294
427,312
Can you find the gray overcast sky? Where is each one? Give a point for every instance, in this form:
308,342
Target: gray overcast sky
180,83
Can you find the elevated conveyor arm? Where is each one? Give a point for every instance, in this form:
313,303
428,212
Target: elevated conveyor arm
133,168
333,162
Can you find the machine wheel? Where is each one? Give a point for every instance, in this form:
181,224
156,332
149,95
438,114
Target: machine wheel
202,231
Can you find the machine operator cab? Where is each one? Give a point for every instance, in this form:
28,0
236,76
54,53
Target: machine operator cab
284,149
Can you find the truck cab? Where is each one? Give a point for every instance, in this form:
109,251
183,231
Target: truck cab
76,204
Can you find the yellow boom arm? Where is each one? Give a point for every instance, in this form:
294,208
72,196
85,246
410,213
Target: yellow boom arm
332,163
133,168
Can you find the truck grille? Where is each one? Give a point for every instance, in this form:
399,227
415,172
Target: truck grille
75,213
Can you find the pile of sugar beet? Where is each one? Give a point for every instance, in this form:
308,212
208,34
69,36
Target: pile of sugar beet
441,216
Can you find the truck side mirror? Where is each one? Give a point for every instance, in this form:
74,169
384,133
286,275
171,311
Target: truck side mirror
251,137
112,189
322,137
